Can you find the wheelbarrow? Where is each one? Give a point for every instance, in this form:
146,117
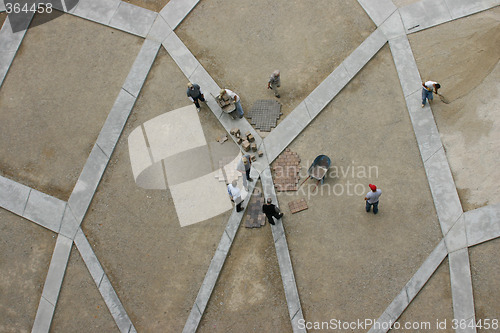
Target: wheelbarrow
318,169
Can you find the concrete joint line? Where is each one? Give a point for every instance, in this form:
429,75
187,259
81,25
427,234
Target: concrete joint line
295,314
128,92
48,301
230,238
26,203
281,234
114,13
432,155
198,308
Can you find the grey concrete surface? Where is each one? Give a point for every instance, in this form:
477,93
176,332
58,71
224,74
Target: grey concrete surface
53,283
97,11
133,19
176,10
45,210
13,196
378,11
482,224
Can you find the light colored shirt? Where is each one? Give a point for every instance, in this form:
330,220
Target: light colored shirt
430,85
274,79
234,192
373,196
232,94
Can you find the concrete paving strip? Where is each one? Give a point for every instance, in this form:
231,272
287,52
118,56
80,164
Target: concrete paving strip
461,286
215,267
44,210
316,101
53,284
2,6
133,19
428,13
13,196
100,11
378,10
87,183
283,255
436,165
437,169
176,10
141,67
9,44
411,289
102,282
159,30
482,224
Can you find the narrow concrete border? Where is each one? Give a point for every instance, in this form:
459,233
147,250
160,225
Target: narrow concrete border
411,289
319,98
284,261
52,286
103,284
216,265
175,11
429,13
9,44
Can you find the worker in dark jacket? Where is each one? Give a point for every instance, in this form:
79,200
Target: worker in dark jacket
271,211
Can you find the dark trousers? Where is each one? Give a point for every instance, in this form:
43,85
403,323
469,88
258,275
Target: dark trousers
369,206
201,98
275,215
248,174
238,207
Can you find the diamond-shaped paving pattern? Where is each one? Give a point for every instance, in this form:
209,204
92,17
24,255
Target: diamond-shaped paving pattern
265,114
286,171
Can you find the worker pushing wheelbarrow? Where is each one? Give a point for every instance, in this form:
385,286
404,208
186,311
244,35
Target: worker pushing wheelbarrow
318,169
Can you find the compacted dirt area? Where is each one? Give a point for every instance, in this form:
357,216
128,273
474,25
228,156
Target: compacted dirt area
249,295
155,265
81,301
65,79
350,264
26,252
241,43
463,57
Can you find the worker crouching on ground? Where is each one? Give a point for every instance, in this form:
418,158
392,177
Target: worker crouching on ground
235,98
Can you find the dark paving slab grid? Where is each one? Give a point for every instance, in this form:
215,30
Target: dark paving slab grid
286,171
255,218
265,114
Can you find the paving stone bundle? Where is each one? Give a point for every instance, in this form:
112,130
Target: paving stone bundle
286,171
298,205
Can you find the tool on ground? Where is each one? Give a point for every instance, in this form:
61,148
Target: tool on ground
443,99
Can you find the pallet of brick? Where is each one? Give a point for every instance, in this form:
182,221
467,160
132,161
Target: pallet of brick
297,205
286,171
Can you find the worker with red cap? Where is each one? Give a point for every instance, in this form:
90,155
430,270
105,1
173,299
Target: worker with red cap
372,199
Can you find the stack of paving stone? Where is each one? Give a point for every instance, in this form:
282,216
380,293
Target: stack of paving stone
286,171
298,205
247,142
255,217
265,114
